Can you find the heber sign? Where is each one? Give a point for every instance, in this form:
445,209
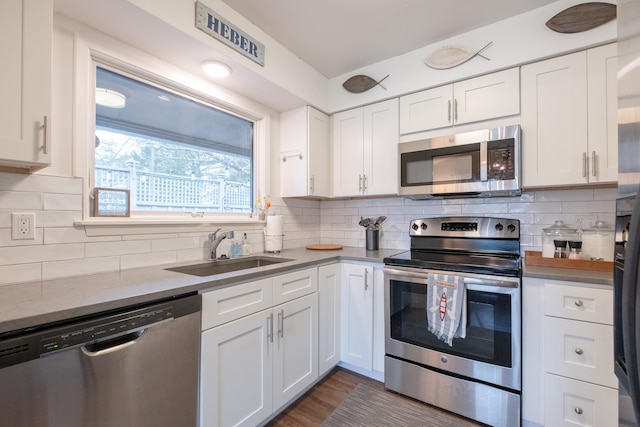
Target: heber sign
216,26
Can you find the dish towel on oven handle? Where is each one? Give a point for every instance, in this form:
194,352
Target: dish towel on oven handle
446,307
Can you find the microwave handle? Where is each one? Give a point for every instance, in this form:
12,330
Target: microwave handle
484,165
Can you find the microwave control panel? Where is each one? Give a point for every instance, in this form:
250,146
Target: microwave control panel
501,159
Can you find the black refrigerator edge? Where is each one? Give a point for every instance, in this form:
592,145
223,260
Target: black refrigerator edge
627,247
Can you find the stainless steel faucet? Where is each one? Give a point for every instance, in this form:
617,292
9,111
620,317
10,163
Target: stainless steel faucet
214,241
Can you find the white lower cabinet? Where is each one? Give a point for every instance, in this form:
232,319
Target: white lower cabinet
253,365
568,377
329,313
361,320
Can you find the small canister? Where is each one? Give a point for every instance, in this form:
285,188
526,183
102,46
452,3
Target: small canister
558,231
598,242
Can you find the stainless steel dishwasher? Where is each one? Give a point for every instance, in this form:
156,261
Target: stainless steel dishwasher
135,367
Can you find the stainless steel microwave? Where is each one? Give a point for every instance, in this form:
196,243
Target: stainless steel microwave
481,163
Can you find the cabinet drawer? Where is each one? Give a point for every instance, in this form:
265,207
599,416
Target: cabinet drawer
580,350
575,403
223,305
579,303
293,285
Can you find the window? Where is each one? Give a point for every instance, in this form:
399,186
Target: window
173,152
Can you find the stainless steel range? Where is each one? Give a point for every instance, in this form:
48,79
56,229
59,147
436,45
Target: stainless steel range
477,373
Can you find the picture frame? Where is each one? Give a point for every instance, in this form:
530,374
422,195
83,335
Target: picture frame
111,202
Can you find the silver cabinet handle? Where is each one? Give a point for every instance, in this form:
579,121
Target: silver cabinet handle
455,110
270,327
579,303
366,279
364,182
579,351
593,163
584,164
449,111
578,410
359,182
311,184
281,323
45,125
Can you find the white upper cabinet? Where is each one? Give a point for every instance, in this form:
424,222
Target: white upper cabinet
304,153
365,150
482,98
27,28
568,120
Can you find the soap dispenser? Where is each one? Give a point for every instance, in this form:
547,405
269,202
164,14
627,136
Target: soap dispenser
246,249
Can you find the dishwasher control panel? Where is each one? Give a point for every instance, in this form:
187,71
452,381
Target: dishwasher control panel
104,328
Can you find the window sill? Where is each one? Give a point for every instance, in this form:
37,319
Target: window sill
109,226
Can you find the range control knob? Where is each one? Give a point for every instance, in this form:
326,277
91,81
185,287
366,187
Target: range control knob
414,226
511,228
423,226
499,227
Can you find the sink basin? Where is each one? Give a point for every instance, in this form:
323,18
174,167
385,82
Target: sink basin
228,265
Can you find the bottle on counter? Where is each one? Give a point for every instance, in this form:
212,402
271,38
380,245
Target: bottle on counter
558,231
560,249
246,249
575,249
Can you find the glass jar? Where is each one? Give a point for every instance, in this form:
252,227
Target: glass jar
598,242
558,231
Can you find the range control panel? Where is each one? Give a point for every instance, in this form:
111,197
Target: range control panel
471,227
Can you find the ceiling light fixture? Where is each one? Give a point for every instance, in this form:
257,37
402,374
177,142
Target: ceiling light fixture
110,98
216,69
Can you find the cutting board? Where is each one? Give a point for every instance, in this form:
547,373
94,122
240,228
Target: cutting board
324,247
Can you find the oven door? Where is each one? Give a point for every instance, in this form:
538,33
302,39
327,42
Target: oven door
490,352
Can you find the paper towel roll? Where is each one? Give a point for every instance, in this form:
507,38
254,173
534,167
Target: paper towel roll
274,225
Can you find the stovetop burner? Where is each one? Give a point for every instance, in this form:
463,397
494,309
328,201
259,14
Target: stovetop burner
463,244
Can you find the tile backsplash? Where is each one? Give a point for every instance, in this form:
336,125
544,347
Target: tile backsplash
61,249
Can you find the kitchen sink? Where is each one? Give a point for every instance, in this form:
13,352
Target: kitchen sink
228,265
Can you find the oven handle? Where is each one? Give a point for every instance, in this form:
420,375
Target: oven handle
423,275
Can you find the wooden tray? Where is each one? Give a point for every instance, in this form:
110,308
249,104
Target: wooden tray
324,247
535,258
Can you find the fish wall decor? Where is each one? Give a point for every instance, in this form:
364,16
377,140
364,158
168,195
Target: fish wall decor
361,83
582,17
451,56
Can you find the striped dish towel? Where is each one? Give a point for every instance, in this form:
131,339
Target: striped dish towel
446,307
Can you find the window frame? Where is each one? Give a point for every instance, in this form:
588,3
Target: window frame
171,78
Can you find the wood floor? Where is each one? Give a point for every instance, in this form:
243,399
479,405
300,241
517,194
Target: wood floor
312,408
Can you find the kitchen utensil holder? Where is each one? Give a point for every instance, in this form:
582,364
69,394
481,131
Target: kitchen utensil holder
372,238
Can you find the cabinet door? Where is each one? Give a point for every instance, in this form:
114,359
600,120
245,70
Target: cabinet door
319,181
27,28
426,110
554,121
295,348
602,78
381,148
304,153
348,152
236,372
329,317
356,316
487,97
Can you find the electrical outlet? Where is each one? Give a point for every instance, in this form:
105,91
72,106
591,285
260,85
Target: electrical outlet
23,226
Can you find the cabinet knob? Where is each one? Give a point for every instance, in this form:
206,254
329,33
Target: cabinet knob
579,303
444,359
579,351
578,410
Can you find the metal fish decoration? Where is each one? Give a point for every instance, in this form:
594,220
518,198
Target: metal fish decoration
452,56
361,83
582,17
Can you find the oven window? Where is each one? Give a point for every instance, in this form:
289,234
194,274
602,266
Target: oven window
441,166
488,336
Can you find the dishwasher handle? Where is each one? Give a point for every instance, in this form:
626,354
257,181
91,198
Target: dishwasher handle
113,344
